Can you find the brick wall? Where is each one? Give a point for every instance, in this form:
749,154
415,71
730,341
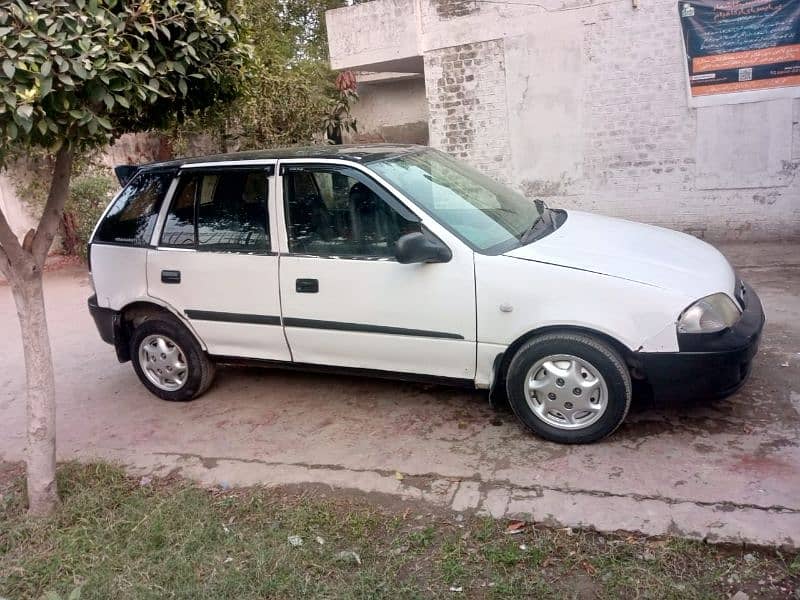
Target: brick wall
639,133
642,149
465,86
635,148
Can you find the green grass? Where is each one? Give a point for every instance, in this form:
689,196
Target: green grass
114,538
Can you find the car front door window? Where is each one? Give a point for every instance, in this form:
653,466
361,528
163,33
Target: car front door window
336,213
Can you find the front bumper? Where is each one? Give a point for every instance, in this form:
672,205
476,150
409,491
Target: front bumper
708,365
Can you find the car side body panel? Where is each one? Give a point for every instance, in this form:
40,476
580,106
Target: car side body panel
231,299
516,296
455,320
119,274
375,313
487,363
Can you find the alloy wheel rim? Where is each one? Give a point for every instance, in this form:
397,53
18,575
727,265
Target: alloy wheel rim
566,392
163,362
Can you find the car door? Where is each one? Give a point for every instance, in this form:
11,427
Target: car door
215,261
346,301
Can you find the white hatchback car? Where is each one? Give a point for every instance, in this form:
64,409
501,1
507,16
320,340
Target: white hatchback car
400,261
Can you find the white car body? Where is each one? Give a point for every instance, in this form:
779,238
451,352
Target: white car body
454,320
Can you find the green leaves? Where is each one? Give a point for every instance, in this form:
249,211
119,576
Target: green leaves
25,111
66,79
288,96
81,72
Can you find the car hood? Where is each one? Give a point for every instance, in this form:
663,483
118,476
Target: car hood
644,254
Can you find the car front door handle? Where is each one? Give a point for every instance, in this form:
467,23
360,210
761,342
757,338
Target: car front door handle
170,276
306,286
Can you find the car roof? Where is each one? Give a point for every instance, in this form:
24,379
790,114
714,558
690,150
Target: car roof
363,153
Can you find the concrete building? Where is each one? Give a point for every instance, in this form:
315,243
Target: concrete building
583,103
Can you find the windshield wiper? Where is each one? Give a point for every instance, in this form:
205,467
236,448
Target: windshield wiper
529,234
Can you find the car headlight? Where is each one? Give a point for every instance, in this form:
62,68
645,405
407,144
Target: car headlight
712,313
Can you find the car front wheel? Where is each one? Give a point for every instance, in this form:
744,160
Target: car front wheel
169,361
569,388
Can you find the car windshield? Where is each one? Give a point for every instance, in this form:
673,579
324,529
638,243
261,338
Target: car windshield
487,215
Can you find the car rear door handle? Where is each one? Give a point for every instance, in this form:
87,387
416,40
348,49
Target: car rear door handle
306,286
170,276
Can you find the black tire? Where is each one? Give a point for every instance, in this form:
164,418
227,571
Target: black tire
201,369
605,360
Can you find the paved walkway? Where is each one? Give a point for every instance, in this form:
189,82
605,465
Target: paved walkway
725,471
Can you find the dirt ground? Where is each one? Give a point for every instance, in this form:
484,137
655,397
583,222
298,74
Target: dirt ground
723,471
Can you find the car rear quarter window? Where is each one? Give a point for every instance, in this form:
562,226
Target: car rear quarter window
132,217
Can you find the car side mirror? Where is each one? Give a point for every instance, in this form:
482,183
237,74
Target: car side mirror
418,248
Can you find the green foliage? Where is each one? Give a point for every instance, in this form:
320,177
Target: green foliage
81,72
89,195
283,31
290,95
91,188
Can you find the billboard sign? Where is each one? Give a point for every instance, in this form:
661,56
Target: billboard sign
740,45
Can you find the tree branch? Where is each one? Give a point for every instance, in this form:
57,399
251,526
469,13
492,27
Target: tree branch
54,208
9,246
5,265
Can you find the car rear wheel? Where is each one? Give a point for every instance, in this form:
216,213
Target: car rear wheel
169,361
569,388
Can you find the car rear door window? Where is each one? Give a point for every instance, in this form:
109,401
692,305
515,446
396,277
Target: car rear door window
179,226
131,219
220,212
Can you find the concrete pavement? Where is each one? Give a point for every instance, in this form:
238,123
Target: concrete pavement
722,471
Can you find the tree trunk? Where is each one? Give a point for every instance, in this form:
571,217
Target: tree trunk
23,264
29,298
69,227
222,131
